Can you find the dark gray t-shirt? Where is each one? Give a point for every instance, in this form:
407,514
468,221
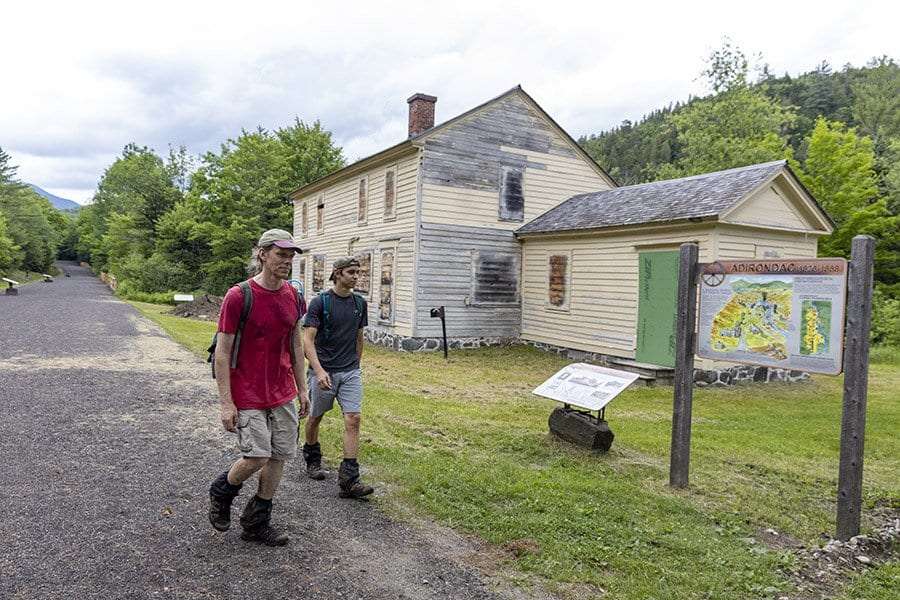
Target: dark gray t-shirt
337,352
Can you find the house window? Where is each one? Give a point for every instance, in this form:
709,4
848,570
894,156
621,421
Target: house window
318,276
364,280
512,198
304,218
495,278
301,271
320,214
363,200
386,287
390,193
558,281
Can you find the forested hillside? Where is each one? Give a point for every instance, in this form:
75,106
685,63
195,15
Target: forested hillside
839,131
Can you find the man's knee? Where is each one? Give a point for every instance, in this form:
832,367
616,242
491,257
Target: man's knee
255,463
313,422
351,420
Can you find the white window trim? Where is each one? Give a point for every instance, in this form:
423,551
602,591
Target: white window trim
312,273
304,222
358,180
388,322
371,253
390,216
320,201
566,306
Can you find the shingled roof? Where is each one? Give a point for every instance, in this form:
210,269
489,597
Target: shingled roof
700,196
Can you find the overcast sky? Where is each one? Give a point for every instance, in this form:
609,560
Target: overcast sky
82,79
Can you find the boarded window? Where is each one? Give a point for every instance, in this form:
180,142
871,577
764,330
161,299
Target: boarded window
301,271
304,218
386,289
512,198
363,195
318,278
495,277
320,214
558,280
364,280
390,192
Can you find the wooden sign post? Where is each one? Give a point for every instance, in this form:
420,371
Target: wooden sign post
685,326
856,377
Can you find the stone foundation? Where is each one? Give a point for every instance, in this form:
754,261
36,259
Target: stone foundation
425,344
746,374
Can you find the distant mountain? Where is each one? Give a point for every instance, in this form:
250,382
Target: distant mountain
56,201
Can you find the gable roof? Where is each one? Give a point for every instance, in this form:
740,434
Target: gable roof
698,197
418,140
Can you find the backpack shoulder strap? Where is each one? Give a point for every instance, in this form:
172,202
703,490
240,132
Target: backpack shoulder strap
360,304
325,298
247,293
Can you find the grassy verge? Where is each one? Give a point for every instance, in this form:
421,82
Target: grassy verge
466,443
24,277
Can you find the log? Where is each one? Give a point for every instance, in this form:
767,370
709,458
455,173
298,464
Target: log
581,429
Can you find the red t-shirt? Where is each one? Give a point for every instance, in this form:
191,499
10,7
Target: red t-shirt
264,377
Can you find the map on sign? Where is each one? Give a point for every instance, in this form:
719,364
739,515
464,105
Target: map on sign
587,386
780,313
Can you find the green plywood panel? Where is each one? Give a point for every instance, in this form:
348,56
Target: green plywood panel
657,304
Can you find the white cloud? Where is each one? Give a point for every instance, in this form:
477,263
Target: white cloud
89,77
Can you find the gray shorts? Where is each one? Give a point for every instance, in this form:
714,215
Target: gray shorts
346,386
268,433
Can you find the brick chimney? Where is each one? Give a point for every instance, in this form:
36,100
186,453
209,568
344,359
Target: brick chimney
421,113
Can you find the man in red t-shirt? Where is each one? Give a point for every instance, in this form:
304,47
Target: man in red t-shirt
257,397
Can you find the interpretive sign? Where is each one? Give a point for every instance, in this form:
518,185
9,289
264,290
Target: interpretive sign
778,313
587,386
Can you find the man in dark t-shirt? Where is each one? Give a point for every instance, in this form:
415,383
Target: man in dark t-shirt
333,342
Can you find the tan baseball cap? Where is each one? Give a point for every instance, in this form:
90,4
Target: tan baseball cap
280,238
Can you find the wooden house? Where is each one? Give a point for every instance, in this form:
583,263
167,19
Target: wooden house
432,218
499,216
600,270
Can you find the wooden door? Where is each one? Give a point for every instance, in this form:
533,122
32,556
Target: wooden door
657,306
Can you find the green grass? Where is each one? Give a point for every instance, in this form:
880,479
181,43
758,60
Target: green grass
195,335
464,442
24,277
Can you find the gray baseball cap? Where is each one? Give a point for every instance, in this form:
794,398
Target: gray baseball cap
342,263
280,238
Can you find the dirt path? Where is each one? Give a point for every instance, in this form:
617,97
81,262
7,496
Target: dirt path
110,438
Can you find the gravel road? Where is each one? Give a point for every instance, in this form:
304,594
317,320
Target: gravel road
111,437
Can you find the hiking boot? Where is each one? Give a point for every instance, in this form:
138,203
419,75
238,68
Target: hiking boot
267,535
255,521
348,480
312,454
221,494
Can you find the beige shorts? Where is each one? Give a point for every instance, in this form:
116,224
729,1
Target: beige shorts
269,433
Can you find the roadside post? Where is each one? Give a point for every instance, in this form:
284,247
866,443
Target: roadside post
11,289
438,313
856,378
685,325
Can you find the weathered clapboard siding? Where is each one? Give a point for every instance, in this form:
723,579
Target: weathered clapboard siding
462,165
379,231
733,242
445,278
601,313
769,206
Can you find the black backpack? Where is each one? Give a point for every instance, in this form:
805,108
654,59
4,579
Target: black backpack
247,293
